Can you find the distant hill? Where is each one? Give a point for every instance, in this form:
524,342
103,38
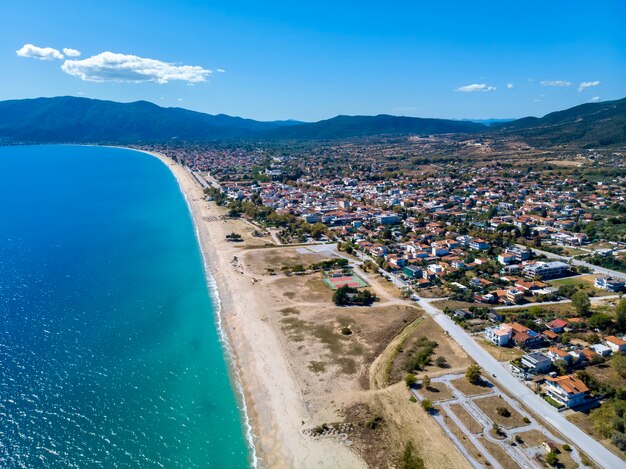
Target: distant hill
71,119
588,125
363,126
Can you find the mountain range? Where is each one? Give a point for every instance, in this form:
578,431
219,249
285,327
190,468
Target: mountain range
81,120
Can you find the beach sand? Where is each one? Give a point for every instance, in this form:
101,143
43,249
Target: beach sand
274,402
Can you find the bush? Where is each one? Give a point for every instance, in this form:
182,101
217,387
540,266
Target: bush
503,411
346,331
374,422
427,405
441,362
410,460
567,447
410,380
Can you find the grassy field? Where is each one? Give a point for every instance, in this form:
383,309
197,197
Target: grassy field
582,282
469,389
490,405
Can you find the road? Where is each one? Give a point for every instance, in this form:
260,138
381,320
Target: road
498,372
570,260
593,299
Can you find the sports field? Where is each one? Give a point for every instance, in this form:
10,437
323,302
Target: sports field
347,280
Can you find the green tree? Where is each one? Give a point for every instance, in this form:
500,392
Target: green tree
426,382
620,316
600,321
552,459
618,363
410,379
427,405
580,301
473,373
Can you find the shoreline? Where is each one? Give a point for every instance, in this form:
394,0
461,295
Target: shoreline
272,405
213,289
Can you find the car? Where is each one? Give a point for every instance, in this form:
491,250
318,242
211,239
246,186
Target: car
493,374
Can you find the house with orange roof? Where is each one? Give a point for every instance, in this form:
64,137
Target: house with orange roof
615,343
567,390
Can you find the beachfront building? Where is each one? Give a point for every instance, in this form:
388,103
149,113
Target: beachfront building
567,390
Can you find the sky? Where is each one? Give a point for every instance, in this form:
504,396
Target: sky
312,60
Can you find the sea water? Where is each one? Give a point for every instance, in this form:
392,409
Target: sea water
109,350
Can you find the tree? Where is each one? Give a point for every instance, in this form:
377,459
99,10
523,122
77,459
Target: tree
441,362
600,321
620,316
340,297
427,405
473,373
426,382
580,301
618,363
410,379
552,459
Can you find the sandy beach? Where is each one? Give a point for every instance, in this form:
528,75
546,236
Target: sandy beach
273,399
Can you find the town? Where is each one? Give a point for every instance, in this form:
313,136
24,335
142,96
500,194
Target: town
529,261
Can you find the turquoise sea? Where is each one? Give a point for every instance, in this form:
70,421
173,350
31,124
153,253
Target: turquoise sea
110,354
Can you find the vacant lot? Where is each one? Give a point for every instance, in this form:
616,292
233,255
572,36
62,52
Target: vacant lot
470,389
501,456
464,440
583,283
503,354
490,406
437,392
470,422
454,358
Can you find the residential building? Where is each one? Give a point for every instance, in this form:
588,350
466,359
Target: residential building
545,270
615,343
500,335
536,363
567,390
609,283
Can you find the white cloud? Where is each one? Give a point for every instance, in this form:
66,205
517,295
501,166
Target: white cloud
595,99
510,86
555,83
179,99
41,53
475,87
109,66
71,52
220,70
588,84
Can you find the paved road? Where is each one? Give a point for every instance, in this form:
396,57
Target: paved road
593,299
598,453
595,268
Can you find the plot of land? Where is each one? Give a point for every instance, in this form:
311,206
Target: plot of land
470,389
583,282
490,406
437,392
470,422
501,456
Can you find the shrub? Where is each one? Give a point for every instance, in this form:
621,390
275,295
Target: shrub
503,411
346,331
374,422
427,405
567,447
410,380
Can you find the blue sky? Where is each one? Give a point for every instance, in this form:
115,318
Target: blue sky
314,60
